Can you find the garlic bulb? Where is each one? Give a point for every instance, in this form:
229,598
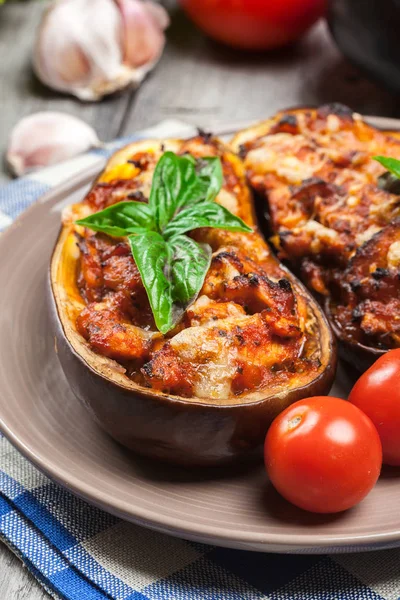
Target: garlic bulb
46,138
90,48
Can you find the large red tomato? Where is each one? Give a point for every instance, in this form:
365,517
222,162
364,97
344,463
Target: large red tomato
255,24
377,393
323,454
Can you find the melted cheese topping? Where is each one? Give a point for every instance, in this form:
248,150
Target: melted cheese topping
393,256
328,214
215,356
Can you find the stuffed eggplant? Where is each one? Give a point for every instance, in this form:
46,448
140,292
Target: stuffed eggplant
252,340
331,218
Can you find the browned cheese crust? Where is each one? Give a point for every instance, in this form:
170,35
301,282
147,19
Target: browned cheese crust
248,329
329,219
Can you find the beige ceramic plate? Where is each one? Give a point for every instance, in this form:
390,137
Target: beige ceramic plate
41,417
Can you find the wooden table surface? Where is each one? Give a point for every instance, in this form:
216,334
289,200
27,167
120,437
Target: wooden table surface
197,81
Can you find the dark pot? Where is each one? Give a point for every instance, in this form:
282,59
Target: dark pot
368,33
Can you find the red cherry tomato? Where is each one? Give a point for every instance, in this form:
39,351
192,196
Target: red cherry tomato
323,454
377,393
255,24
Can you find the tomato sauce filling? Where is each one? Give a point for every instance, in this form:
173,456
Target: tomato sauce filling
246,330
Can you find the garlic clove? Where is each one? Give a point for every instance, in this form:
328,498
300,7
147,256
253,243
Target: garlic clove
158,14
78,48
46,138
144,24
90,48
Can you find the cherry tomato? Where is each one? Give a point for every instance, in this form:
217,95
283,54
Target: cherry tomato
323,454
255,24
377,393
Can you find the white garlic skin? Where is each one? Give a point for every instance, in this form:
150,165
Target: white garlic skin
90,48
144,24
46,138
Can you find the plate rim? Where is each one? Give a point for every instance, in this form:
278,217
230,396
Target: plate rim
277,542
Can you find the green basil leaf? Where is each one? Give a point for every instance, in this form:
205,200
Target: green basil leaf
209,169
152,258
189,265
391,164
205,214
120,219
173,177
172,274
181,181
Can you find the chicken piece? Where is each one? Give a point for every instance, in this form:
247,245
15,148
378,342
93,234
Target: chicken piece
168,373
110,333
373,272
233,278
380,321
205,311
369,290
90,282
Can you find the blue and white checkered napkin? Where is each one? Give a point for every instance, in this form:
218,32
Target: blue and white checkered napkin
78,552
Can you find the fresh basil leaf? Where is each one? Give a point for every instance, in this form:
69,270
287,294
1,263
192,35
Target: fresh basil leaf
152,258
205,214
173,177
209,169
180,181
391,164
120,219
172,274
189,265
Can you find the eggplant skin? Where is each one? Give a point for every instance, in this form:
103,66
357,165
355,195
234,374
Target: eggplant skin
174,430
316,182
179,430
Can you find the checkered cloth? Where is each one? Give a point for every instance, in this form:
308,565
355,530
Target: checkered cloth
78,552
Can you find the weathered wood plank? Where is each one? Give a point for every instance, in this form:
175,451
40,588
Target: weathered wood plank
16,583
204,83
21,93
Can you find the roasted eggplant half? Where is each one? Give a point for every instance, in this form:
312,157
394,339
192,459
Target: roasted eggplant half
252,342
331,220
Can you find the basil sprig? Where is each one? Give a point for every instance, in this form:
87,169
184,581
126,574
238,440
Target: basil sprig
172,265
